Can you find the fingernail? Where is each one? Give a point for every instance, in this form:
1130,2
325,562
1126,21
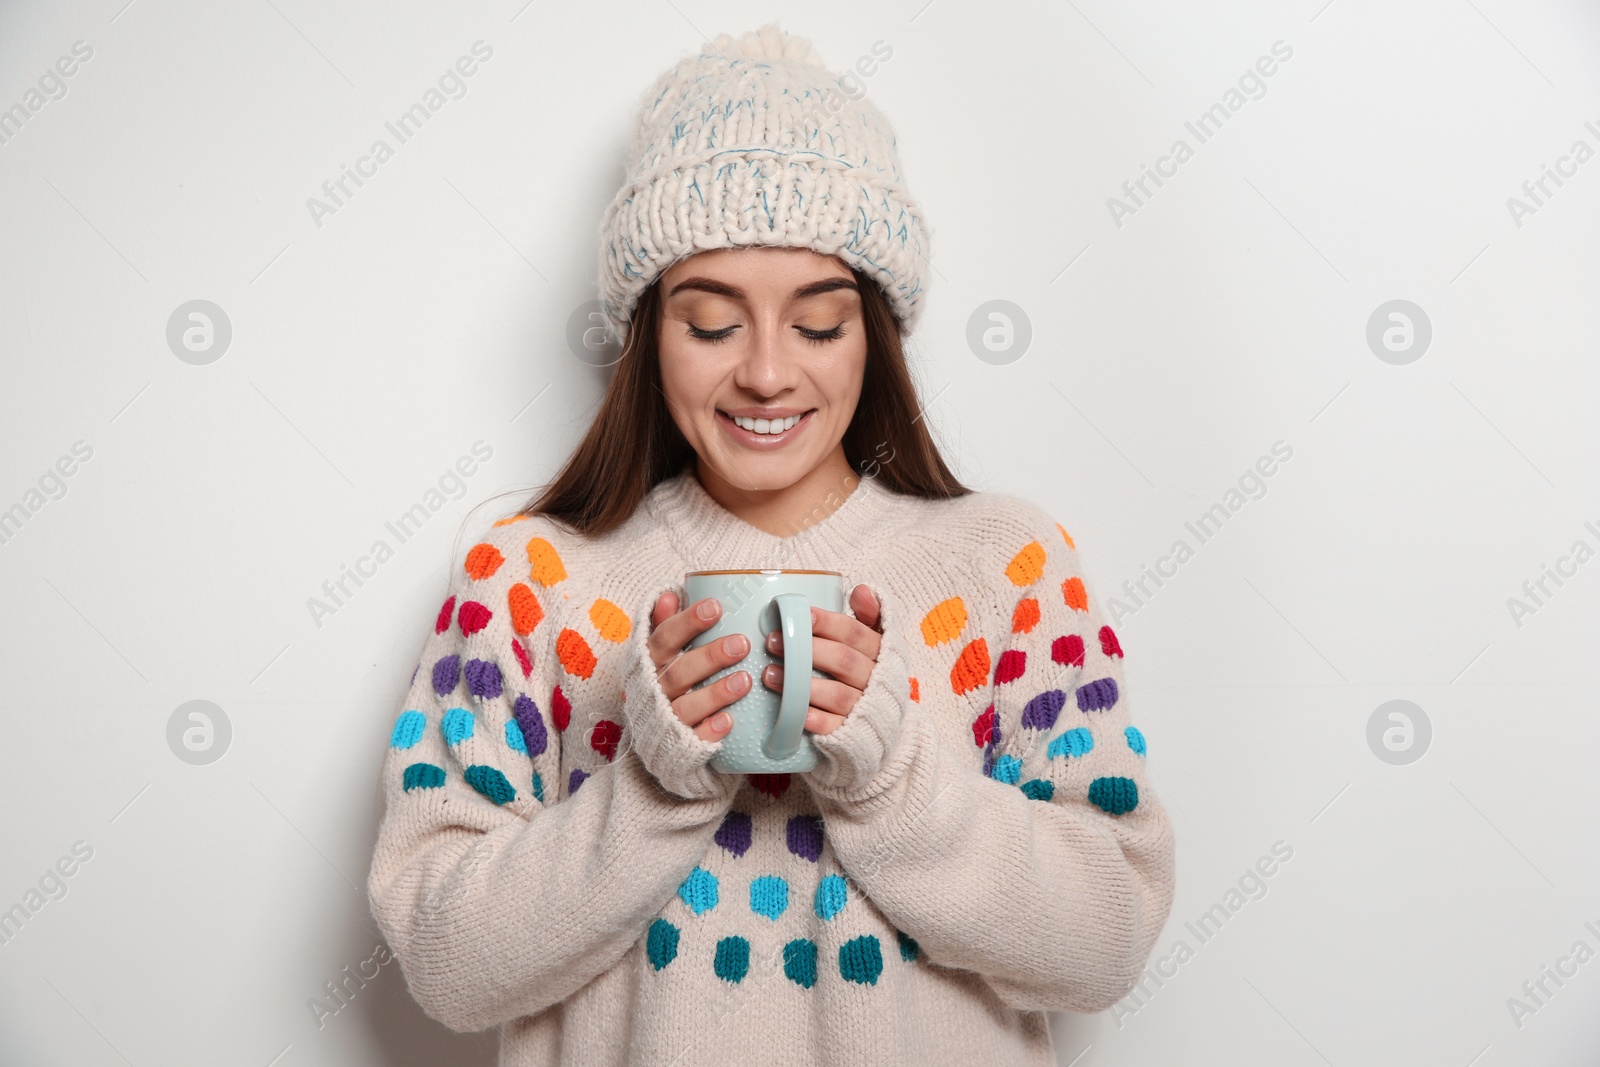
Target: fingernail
707,609
739,682
734,644
721,721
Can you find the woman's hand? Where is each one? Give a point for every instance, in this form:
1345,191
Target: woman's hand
842,647
679,669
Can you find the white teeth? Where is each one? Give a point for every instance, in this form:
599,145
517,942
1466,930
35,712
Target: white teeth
766,425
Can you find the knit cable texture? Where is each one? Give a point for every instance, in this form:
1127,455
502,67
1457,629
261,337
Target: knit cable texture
752,142
979,843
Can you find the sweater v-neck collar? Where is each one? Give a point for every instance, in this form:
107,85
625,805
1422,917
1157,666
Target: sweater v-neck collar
707,534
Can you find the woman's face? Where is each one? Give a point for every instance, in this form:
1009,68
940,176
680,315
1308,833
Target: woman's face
761,333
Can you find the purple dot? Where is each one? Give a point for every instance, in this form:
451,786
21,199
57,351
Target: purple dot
1098,695
575,779
483,678
805,836
734,833
1040,712
446,673
533,731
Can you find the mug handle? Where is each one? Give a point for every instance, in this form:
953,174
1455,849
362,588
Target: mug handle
794,618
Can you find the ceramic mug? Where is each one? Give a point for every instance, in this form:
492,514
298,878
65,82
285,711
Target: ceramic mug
768,734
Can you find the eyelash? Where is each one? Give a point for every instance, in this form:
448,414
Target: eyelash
817,337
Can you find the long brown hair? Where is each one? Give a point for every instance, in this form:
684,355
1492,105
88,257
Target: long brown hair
633,444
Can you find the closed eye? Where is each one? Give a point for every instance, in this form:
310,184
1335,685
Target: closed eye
822,336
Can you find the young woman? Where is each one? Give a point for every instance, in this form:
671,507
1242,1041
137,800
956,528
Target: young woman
979,842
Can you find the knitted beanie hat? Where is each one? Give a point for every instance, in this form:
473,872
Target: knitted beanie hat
754,142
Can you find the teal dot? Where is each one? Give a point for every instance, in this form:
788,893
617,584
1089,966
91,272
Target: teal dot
830,896
1115,795
423,776
1007,769
1039,788
699,890
457,725
732,961
1074,742
769,896
800,962
538,788
514,738
860,960
908,946
408,729
490,782
661,943
1135,739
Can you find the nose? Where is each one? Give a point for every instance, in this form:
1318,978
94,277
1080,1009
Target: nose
764,368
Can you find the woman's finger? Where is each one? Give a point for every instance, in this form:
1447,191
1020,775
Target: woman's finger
845,662
827,695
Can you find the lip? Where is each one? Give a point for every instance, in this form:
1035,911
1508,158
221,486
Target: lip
762,441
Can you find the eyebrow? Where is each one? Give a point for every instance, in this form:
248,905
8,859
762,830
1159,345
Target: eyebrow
708,285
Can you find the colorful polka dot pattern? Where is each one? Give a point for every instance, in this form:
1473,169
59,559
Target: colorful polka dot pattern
734,833
861,960
800,962
1041,711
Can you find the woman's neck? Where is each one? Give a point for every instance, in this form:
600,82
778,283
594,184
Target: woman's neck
784,511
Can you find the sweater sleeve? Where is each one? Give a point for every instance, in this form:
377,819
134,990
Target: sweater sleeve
1051,871
499,888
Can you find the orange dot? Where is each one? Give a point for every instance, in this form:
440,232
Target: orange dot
971,667
915,695
1066,537
483,560
1026,566
1026,617
1073,593
611,621
545,562
945,622
573,652
525,609
509,519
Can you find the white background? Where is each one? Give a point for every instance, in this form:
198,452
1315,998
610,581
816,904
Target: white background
1228,313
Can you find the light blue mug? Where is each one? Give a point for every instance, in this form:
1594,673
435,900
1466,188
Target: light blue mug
768,735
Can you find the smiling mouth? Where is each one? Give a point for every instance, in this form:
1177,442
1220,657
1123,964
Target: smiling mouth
764,429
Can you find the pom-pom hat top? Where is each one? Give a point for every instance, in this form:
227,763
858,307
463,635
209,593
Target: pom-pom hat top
754,142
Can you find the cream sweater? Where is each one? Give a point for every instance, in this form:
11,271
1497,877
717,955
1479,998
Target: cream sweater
979,844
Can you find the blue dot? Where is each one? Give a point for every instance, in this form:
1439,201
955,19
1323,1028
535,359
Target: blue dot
1007,769
1039,788
860,960
423,776
908,946
457,725
490,782
661,943
1074,742
514,737
800,962
538,787
575,779
769,896
408,729
1115,795
732,962
1135,739
830,896
699,890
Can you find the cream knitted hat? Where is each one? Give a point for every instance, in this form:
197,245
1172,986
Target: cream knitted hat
754,142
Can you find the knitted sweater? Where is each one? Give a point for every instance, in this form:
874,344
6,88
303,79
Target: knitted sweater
978,844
